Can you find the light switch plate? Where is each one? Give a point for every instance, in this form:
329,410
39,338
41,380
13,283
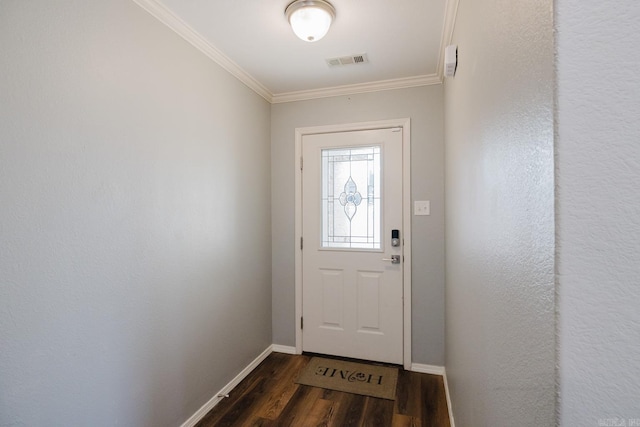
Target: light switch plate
422,207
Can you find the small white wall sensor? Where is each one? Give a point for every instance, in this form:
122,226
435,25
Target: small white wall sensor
450,60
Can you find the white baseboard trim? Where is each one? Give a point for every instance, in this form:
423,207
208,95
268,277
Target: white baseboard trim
446,392
200,413
437,370
427,369
284,349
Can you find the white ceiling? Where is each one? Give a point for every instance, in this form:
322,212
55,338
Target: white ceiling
403,40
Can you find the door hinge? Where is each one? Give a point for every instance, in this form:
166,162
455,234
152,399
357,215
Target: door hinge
301,163
301,244
302,323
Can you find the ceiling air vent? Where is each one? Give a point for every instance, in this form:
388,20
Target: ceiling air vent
347,60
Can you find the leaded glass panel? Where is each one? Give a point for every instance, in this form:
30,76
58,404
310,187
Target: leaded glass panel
351,198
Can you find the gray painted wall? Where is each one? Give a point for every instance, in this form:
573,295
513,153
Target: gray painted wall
598,212
424,106
500,215
135,220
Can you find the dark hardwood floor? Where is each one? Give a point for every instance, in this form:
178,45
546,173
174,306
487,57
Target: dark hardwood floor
268,396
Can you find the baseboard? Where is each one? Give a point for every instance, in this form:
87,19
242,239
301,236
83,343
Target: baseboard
437,370
284,349
446,392
200,413
427,369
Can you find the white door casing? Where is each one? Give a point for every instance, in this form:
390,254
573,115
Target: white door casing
355,303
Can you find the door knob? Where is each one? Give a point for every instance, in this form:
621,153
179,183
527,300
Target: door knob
395,259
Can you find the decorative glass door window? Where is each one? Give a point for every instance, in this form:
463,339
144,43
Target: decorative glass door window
351,198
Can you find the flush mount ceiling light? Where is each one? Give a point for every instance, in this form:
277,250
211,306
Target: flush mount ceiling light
310,19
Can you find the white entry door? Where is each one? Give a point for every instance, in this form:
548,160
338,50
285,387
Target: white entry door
352,257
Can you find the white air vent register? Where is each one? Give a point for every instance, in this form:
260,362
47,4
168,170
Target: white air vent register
347,60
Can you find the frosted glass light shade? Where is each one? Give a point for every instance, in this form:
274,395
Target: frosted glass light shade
310,19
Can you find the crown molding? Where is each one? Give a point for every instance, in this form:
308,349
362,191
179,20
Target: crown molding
450,13
302,95
168,18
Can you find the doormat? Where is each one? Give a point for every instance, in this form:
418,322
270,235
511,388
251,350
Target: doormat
357,378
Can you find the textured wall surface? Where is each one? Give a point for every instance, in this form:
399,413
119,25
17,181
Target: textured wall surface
424,107
598,212
500,215
134,218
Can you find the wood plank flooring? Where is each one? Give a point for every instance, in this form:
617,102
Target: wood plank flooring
269,397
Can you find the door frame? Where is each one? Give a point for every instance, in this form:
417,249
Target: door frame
405,124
